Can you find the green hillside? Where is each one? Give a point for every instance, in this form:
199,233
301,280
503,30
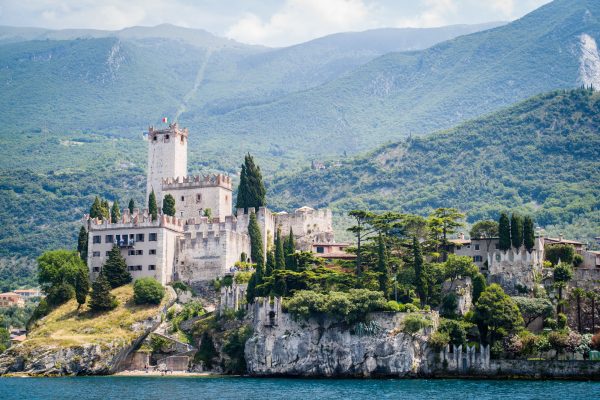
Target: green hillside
541,156
422,91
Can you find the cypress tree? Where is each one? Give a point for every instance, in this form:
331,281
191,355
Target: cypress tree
251,289
279,252
105,210
82,244
168,207
242,195
290,249
270,266
96,209
516,231
152,206
504,232
82,286
251,191
528,233
131,206
115,268
101,299
115,213
420,278
256,247
382,266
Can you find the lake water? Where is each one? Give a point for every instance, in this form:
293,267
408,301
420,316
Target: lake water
222,388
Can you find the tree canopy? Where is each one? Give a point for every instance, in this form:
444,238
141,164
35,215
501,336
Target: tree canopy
251,190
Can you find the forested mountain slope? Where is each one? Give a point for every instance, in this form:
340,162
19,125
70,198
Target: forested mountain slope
541,156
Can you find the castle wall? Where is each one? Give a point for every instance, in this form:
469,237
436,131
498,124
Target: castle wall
309,226
209,250
167,157
194,195
140,261
266,223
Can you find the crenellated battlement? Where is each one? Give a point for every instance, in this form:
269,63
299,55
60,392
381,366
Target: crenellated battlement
139,219
197,181
173,129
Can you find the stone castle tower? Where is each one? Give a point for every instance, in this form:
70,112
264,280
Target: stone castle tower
167,157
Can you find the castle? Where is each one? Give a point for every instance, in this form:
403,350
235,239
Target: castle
191,246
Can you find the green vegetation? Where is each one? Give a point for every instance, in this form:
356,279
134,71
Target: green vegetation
556,253
148,291
251,191
101,299
152,206
414,323
496,314
168,207
115,268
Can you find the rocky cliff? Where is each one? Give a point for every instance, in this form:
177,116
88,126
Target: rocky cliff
281,345
70,341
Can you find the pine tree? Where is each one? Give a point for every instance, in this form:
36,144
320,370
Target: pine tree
101,299
420,278
168,207
105,207
382,265
528,233
82,244
152,206
115,268
270,266
96,209
290,249
516,231
82,286
504,232
131,206
115,213
256,247
279,252
251,191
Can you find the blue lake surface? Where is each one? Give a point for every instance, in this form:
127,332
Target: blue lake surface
176,388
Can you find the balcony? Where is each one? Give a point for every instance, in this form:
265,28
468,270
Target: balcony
125,243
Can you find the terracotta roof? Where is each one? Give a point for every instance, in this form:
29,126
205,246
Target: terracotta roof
336,254
460,241
9,294
559,240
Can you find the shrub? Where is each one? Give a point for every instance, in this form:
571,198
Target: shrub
585,344
411,307
414,323
550,323
456,331
561,321
558,341
233,347
227,280
148,291
182,286
60,294
242,277
438,340
573,341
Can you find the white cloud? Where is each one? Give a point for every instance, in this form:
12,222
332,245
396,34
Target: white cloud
435,13
300,20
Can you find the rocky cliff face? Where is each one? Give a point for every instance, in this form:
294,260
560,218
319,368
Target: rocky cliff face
283,346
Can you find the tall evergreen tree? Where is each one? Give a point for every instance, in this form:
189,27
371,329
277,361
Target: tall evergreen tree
115,268
168,207
101,298
251,191
516,231
279,251
256,247
115,213
96,209
131,206
152,206
270,266
82,244
382,265
504,242
290,249
420,276
82,286
105,207
528,233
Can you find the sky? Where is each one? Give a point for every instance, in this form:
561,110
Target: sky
266,22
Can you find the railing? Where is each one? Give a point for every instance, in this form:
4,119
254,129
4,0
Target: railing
125,242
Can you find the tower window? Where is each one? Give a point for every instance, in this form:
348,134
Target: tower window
155,138
166,137
182,198
198,198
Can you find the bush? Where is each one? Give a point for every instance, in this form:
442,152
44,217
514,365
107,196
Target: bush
550,323
242,277
561,321
438,340
577,260
595,342
182,286
60,294
395,306
415,322
456,330
558,340
148,291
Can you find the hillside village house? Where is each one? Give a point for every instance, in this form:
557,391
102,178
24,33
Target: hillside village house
28,293
190,246
11,299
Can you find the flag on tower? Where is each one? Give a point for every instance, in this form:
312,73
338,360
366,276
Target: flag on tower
164,120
